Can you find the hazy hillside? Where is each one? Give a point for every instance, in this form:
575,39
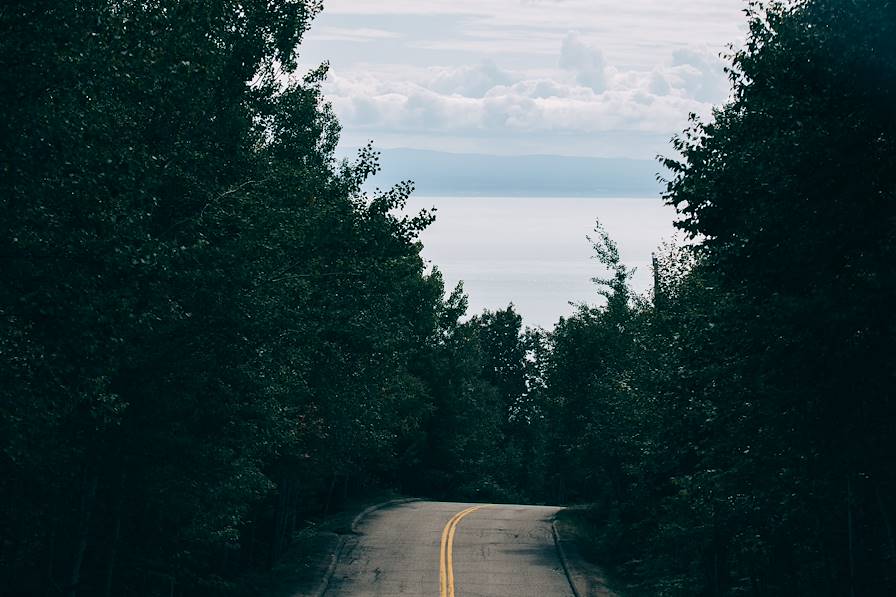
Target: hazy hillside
440,173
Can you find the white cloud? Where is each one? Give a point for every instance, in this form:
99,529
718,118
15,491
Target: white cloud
586,96
701,72
471,81
355,34
505,72
586,61
629,31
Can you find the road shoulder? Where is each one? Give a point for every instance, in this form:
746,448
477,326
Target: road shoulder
586,578
306,567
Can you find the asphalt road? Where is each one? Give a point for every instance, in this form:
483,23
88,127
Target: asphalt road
444,549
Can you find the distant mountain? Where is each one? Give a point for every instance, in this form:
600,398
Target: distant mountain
440,173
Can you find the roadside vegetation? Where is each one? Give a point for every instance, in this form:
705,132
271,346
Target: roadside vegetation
736,429
211,335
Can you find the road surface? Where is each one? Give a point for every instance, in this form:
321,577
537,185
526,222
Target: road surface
443,549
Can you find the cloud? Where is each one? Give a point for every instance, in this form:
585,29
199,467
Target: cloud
491,70
470,81
354,34
635,32
527,105
583,95
701,73
586,61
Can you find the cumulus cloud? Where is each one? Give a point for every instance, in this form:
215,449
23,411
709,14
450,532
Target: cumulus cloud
701,73
585,60
581,95
520,24
471,81
527,105
510,71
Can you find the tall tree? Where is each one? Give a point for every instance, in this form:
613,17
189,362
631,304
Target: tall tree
791,189
203,314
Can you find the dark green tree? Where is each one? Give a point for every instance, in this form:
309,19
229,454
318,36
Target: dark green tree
736,431
208,326
791,190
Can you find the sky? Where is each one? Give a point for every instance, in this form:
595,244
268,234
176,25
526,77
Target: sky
602,78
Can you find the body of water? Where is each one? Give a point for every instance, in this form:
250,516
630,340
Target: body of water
532,251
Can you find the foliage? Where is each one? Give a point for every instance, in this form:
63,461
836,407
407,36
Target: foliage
207,325
209,330
736,432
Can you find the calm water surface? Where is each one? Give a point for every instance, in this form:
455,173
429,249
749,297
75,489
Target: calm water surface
532,251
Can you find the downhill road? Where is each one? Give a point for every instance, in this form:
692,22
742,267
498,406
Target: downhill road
442,549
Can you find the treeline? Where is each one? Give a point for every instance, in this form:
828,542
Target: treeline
736,430
208,332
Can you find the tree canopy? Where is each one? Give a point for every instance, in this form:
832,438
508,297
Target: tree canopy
210,331
736,431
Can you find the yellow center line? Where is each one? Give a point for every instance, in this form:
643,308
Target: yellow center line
446,556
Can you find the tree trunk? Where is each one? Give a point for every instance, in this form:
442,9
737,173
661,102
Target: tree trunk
113,547
330,493
51,558
657,289
888,525
754,582
849,524
281,519
82,537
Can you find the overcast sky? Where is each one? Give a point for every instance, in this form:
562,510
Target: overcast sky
567,77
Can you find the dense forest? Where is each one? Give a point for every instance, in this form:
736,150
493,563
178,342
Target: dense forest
209,332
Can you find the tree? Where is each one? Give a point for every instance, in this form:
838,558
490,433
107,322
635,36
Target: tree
750,403
204,314
788,188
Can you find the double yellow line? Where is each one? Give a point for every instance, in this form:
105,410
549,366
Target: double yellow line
446,559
